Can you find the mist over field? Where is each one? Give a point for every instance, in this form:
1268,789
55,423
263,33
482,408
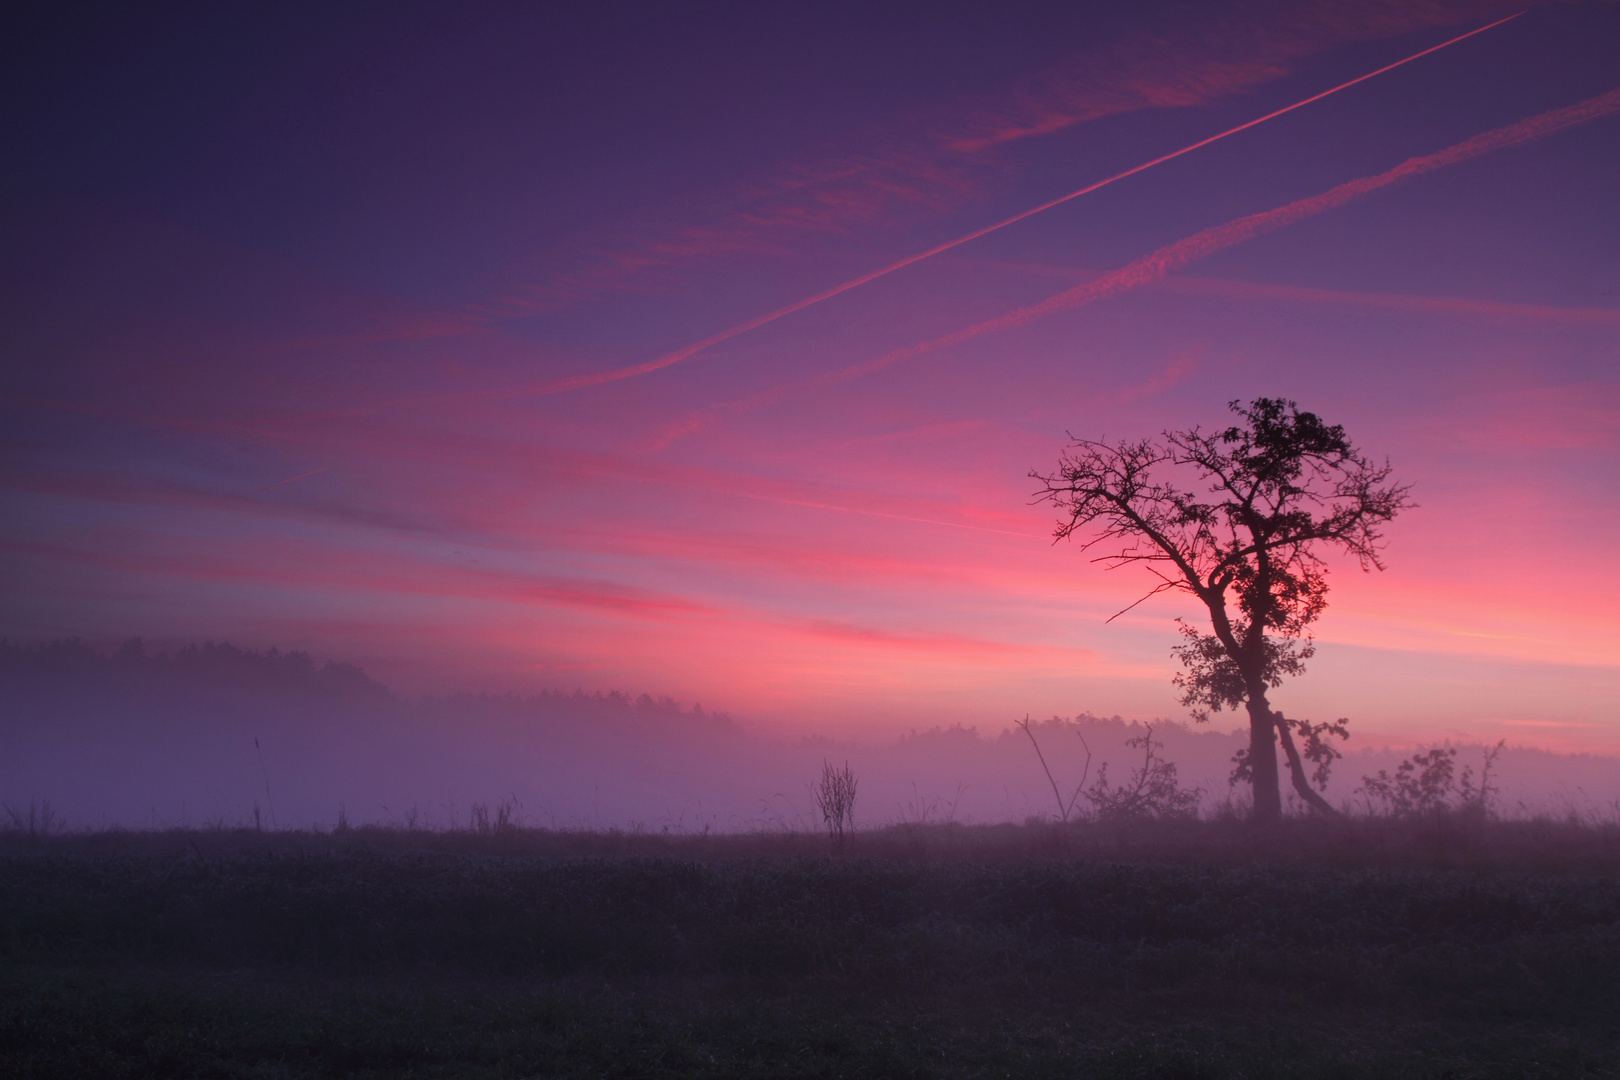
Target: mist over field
213,734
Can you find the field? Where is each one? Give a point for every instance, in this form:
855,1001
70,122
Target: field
1443,948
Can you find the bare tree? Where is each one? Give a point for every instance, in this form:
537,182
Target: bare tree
1153,791
1283,487
1064,808
835,797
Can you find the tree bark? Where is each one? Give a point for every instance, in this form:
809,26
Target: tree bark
1263,761
1296,769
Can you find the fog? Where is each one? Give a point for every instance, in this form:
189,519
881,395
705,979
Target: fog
215,735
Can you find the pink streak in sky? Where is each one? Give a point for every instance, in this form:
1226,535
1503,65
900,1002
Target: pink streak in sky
1052,102
575,382
1152,267
1202,244
1428,305
290,479
598,378
918,164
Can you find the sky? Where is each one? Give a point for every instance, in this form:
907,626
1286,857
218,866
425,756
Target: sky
368,330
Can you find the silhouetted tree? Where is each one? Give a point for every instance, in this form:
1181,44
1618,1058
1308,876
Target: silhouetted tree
835,797
1282,488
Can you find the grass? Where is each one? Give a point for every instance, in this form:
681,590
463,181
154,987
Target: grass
1446,948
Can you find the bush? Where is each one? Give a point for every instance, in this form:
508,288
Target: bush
1427,783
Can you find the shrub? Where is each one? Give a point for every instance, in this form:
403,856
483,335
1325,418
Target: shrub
1428,783
1153,791
835,797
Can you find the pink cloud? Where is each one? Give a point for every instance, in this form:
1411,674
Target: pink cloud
374,457
739,645
1426,305
584,380
1454,306
328,568
1583,417
1512,621
1177,371
1193,63
1150,268
1155,266
933,165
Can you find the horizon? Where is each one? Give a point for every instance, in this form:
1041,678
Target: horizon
1224,724
217,737
708,353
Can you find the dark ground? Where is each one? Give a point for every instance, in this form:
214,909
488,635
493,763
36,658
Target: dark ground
1380,949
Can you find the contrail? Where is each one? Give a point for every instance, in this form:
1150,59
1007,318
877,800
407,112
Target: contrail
1157,264
1202,244
575,382
584,380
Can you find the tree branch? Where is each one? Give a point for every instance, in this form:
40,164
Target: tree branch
1296,770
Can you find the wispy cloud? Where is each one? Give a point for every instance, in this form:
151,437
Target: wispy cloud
557,386
290,479
1461,306
599,605
1155,266
831,207
1150,268
1579,417
1200,61
950,645
926,166
331,569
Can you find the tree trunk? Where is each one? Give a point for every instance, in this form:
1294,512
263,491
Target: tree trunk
1296,769
1263,761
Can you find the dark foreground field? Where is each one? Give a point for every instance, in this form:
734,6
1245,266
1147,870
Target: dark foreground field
1371,949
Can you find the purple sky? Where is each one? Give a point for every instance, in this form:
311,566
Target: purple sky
308,311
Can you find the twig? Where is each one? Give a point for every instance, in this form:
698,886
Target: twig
1081,786
1063,814
268,800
